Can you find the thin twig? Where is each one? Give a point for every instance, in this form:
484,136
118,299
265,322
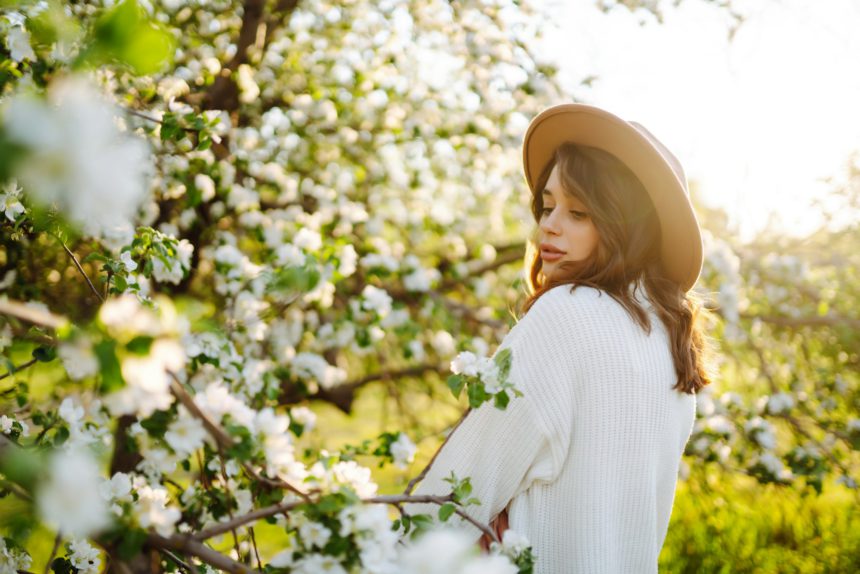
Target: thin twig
229,495
15,370
182,564
423,473
57,541
254,545
81,270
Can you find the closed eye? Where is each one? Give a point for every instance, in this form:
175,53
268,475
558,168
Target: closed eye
576,214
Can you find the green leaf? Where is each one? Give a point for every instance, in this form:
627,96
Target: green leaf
45,354
156,424
140,345
23,466
63,566
502,400
456,383
109,364
477,395
124,34
61,435
445,511
132,543
503,361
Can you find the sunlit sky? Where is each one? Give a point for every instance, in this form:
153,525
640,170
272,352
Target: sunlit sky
757,121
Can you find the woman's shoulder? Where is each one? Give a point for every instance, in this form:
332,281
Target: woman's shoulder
562,298
558,309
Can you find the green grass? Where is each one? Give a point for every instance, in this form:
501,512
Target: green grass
726,524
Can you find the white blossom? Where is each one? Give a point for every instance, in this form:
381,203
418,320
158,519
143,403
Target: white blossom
78,357
421,279
304,416
117,489
403,450
18,43
308,239
84,557
127,261
248,88
124,315
312,365
314,534
348,260
317,564
350,473
775,466
13,560
439,551
174,268
6,425
779,403
10,201
147,386
96,176
68,498
376,299
152,510
186,433
719,424
761,432
443,343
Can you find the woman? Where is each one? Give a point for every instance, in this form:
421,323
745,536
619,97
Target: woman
609,355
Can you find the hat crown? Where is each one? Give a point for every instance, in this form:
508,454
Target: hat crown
670,158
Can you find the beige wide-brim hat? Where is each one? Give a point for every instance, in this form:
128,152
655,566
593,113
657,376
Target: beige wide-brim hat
656,167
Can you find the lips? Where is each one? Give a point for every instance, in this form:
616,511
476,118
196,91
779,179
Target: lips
549,252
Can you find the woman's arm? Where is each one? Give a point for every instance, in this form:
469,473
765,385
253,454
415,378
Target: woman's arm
504,451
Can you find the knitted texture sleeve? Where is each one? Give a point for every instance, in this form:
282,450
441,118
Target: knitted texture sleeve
504,452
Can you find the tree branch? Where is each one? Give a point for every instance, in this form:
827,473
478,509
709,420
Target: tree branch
188,545
282,508
423,473
221,437
31,314
81,270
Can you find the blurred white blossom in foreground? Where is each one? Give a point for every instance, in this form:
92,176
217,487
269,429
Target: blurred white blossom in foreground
69,498
77,160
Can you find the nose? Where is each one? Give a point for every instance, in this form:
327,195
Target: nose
549,224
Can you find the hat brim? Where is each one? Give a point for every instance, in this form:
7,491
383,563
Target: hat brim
681,248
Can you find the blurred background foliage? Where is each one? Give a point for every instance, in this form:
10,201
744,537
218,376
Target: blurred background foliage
401,138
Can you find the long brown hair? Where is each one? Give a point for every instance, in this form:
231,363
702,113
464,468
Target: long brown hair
627,253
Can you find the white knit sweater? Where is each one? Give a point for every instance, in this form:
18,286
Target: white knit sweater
589,456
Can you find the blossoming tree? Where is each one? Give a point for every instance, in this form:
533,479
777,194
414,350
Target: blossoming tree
217,212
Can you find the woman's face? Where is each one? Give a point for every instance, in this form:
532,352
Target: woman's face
565,225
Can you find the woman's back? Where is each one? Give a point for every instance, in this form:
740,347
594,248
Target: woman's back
609,507
589,455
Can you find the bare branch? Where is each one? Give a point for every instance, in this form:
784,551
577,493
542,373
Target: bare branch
189,545
81,270
423,473
283,508
31,314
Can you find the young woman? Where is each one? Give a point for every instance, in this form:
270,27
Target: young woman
609,355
